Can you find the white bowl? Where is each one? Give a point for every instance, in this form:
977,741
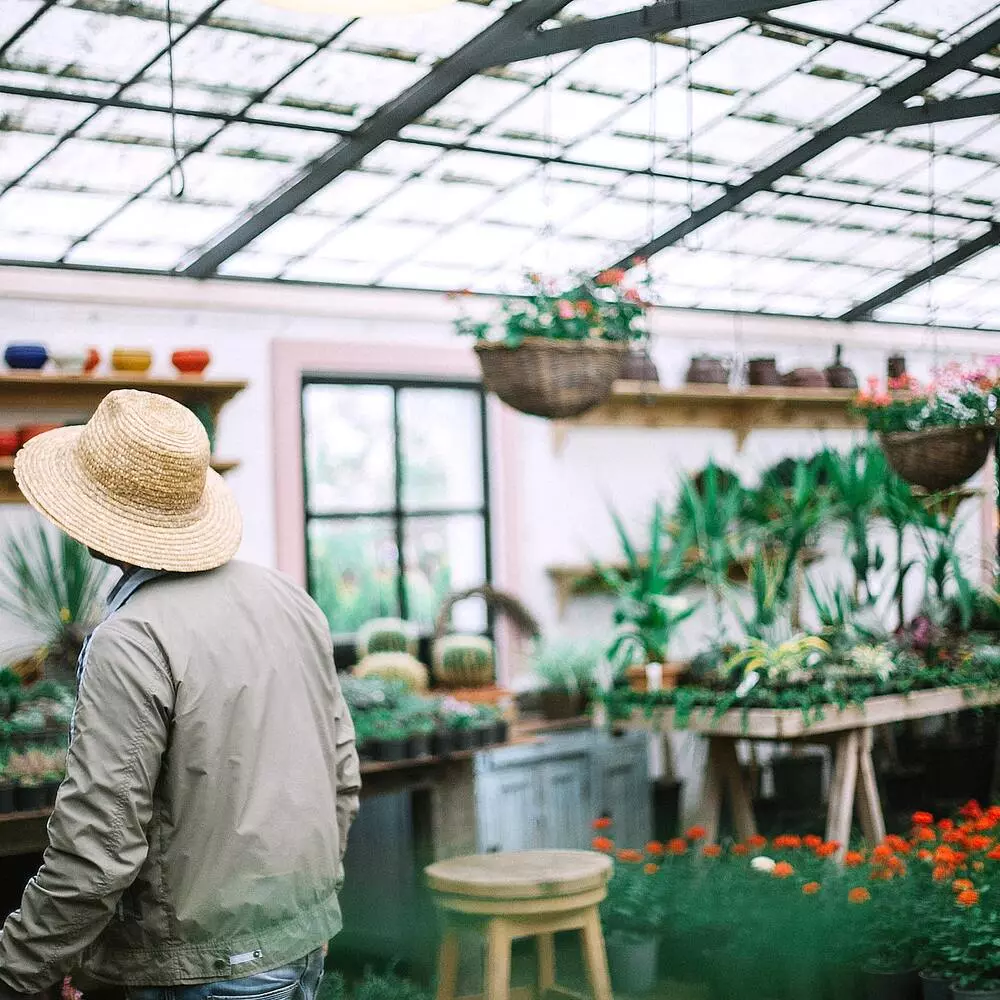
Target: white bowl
69,364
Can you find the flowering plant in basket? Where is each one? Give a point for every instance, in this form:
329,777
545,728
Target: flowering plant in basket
603,308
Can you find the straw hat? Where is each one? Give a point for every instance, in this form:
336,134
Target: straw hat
135,485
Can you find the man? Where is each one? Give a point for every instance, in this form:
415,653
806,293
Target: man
197,842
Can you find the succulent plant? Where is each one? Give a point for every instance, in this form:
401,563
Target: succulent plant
464,661
386,635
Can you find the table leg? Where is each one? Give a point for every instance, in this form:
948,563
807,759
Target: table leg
498,942
869,803
845,777
710,806
595,956
546,963
739,794
448,958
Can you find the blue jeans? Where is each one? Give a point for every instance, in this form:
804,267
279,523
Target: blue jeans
298,981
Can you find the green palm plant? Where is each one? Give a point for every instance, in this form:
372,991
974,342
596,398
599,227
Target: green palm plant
53,587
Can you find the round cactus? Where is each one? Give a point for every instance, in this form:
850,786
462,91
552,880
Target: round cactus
464,661
400,667
386,635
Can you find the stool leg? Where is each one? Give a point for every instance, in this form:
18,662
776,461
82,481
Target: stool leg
546,963
448,965
498,941
595,956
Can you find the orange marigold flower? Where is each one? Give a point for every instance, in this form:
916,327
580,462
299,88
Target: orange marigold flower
898,844
859,895
945,855
696,833
629,856
602,844
612,276
961,884
827,850
854,859
977,842
604,823
967,898
740,850
925,855
896,865
788,841
945,824
978,866
677,846
782,870
942,873
922,819
993,813
811,888
711,851
881,853
925,834
994,855
953,837
655,848
651,869
971,810
756,842
812,841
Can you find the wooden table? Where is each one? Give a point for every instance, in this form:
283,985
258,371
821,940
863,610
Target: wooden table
850,733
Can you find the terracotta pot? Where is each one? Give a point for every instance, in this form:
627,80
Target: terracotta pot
838,375
638,679
9,442
191,362
763,371
896,366
132,360
28,431
639,367
93,360
706,370
805,378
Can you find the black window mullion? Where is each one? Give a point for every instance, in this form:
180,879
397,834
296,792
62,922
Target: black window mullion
487,520
404,611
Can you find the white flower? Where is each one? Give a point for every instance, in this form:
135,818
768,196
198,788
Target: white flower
763,864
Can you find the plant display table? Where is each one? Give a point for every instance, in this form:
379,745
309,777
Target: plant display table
848,731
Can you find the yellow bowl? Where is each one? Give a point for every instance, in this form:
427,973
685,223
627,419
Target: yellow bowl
131,360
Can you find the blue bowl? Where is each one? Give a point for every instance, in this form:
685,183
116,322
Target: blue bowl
30,356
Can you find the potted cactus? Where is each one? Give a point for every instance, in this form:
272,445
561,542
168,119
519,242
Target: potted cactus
394,666
386,635
463,661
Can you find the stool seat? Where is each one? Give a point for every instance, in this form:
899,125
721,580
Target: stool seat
520,874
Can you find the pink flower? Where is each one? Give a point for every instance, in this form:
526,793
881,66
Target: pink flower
69,991
882,399
565,309
873,384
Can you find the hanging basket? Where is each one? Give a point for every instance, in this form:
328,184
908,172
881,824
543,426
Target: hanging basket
939,458
552,378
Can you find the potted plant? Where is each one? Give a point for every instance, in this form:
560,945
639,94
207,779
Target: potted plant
53,776
557,354
971,929
459,718
386,635
421,729
28,770
391,740
564,672
7,787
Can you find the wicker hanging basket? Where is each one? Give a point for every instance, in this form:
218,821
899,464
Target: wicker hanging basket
552,378
939,458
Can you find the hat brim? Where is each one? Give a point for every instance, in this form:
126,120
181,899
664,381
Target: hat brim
53,480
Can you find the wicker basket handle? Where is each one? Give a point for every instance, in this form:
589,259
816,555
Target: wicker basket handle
497,600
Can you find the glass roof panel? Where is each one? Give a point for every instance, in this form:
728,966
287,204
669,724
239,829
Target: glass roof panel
14,14
477,244
561,116
741,141
430,201
231,180
53,213
170,221
624,67
293,236
862,64
671,113
806,99
31,247
843,16
748,62
19,150
89,165
351,193
369,240
333,271
155,256
941,16
478,101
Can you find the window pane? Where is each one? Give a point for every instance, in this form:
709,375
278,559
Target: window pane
353,570
444,554
442,448
349,452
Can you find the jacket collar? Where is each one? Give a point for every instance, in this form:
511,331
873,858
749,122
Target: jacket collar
128,585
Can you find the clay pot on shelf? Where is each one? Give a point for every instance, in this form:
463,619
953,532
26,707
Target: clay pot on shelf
805,378
132,360
670,675
69,363
639,367
26,357
707,370
191,362
896,366
10,441
838,375
93,360
28,431
763,371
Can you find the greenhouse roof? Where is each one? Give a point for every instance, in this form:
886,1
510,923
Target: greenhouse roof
821,159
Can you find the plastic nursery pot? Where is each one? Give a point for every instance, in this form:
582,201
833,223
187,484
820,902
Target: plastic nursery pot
562,704
892,985
442,743
6,799
632,959
501,731
463,740
993,994
419,745
390,750
51,789
934,987
798,780
29,798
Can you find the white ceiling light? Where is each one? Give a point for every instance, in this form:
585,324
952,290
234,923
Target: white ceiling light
361,8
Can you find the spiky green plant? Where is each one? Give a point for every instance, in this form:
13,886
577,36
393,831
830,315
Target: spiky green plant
53,587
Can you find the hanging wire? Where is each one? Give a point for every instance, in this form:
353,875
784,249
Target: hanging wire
689,110
932,189
547,221
647,338
176,174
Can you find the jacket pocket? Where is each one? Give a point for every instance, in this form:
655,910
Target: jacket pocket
247,990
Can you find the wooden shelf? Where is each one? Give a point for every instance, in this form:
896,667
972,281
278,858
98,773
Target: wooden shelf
635,404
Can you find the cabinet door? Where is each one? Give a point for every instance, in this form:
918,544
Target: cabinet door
566,802
623,791
509,814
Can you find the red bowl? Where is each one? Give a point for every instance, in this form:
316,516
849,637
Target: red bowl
191,362
28,431
9,442
93,359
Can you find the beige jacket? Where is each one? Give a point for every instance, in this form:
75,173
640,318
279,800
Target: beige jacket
211,782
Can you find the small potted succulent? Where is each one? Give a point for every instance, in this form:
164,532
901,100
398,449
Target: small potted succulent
421,730
6,792
28,770
391,740
565,672
460,719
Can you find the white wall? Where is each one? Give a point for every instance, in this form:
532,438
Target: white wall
565,497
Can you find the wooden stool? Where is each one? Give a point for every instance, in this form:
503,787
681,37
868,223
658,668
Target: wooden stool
517,895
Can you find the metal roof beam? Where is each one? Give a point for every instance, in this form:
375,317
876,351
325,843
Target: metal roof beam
384,125
957,57
951,110
666,15
962,253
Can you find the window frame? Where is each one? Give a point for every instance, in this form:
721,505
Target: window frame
397,513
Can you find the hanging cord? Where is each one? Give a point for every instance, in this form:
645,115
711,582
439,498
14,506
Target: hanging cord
176,174
547,222
690,240
647,337
932,188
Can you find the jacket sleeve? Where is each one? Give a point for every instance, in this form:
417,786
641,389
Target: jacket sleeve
348,769
97,838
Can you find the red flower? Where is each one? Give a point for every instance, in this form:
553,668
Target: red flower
612,276
994,855
961,884
922,819
978,842
564,309
925,833
945,824
651,869
953,837
696,833
584,308
740,850
898,844
787,841
967,898
604,823
677,846
859,895
782,870
942,873
854,859
655,848
711,851
811,888
630,857
756,842
602,844
881,853
924,854
812,841
827,850
971,810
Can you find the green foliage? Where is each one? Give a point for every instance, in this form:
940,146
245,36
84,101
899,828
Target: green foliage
565,665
